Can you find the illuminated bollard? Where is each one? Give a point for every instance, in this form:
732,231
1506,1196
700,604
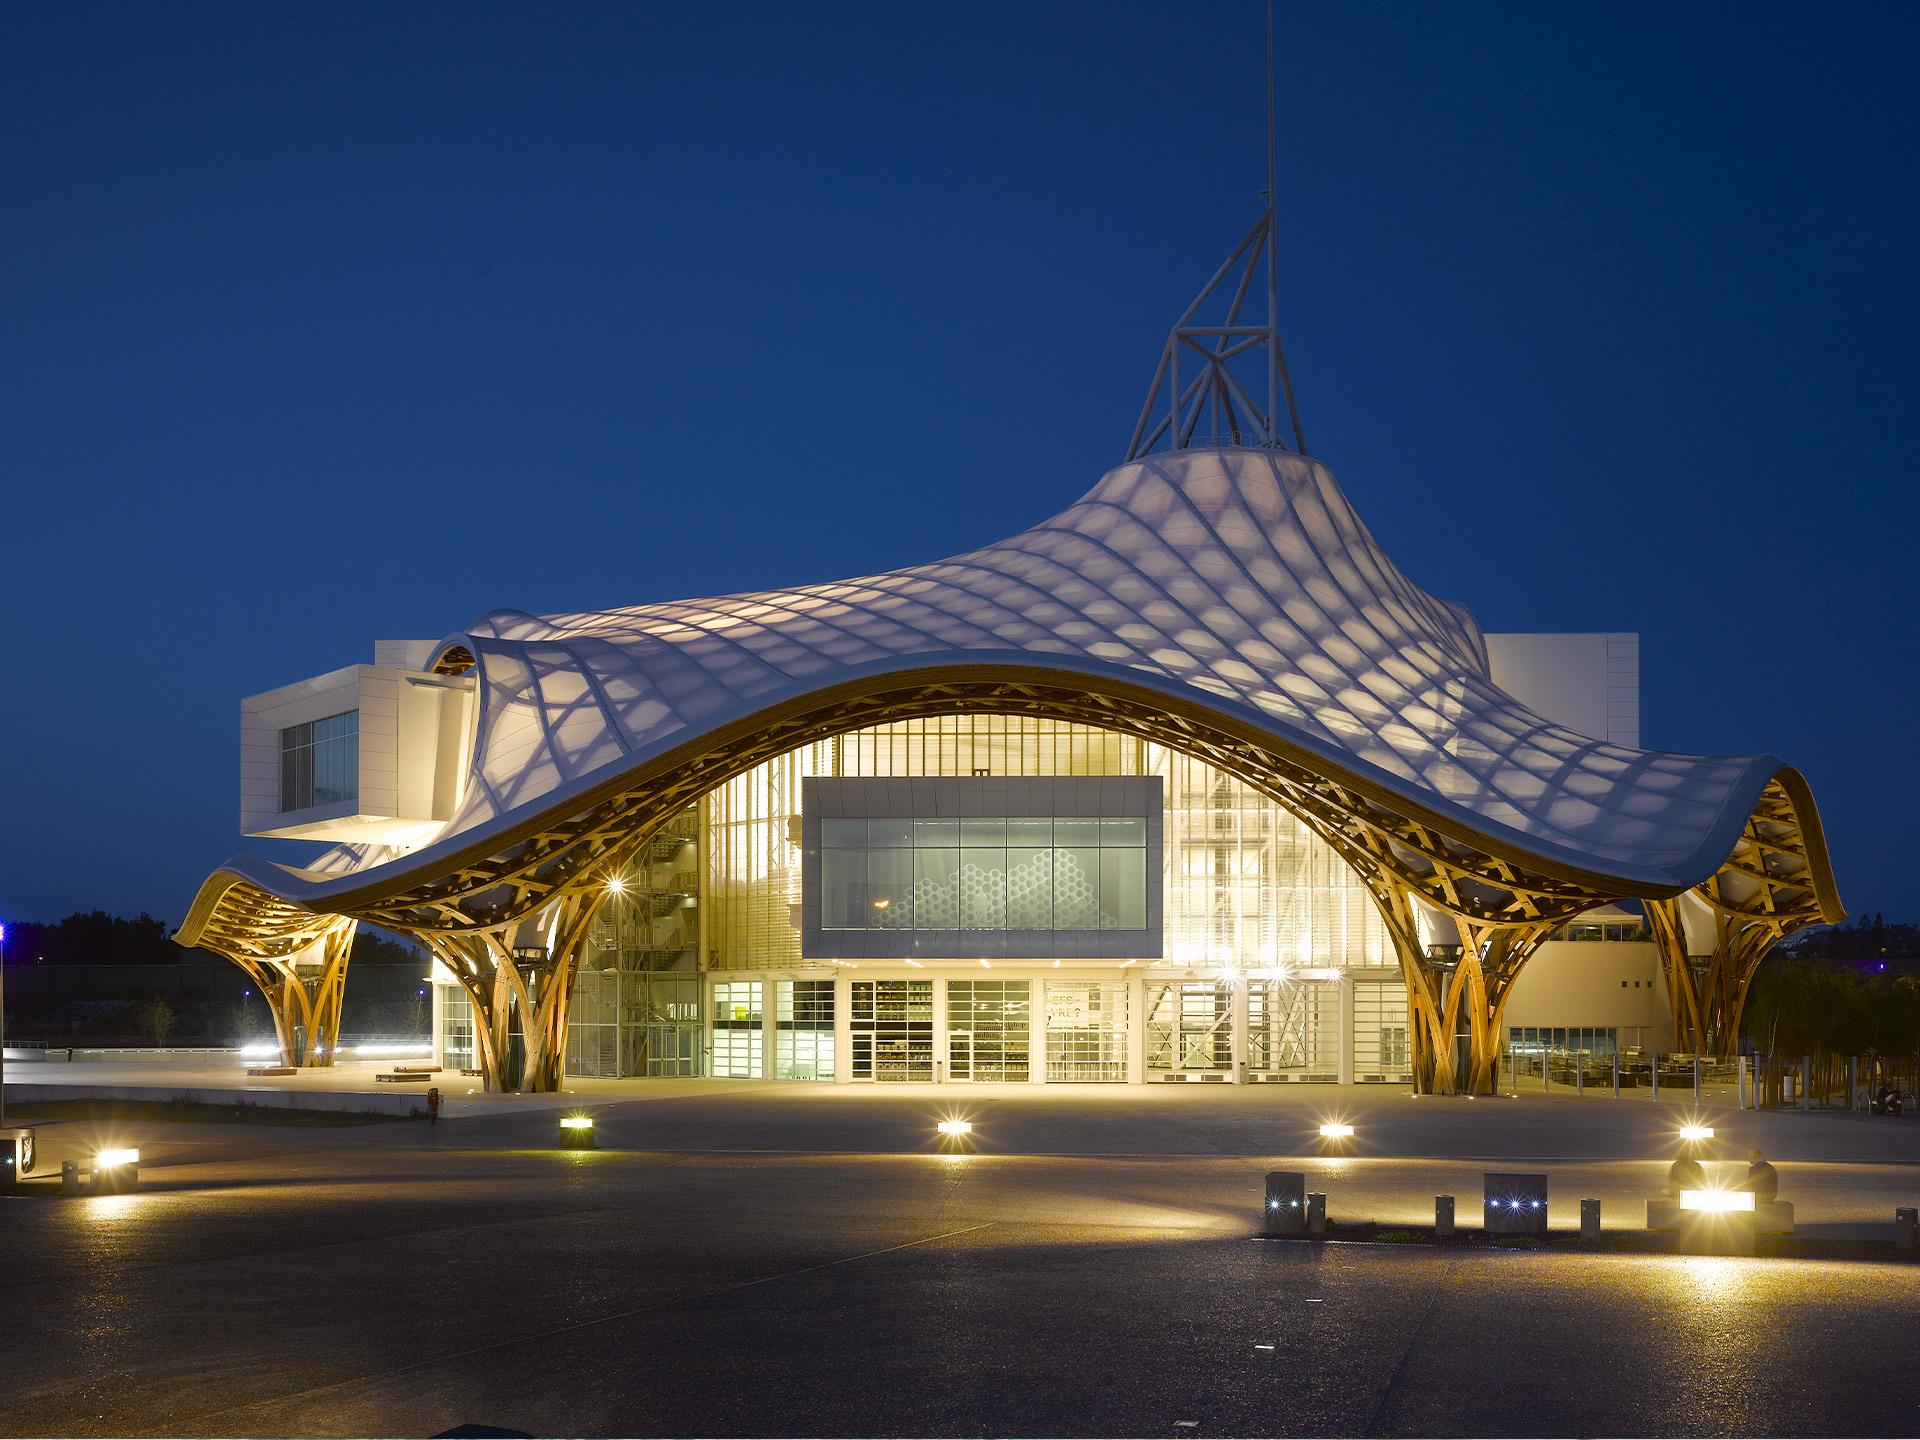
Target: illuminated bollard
69,1177
1317,1215
576,1133
1514,1204
1286,1207
1589,1219
1443,1216
1906,1230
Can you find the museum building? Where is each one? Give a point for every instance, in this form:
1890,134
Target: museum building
1186,782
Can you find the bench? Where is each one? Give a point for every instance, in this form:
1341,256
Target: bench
271,1070
472,1070
1770,1217
401,1077
416,1069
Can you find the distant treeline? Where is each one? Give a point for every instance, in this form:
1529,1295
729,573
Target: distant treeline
1866,938
96,978
97,938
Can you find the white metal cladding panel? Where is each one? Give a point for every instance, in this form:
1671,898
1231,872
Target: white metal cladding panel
1236,575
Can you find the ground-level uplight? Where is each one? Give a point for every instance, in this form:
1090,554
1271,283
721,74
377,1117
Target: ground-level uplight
116,1168
1336,1130
956,1127
1719,1201
576,1132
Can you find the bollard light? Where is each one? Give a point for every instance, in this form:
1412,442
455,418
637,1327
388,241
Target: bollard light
1719,1201
955,1127
1695,1134
116,1168
576,1132
1336,1130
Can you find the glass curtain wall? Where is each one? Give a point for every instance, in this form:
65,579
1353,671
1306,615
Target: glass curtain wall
1086,1030
1246,883
987,1036
456,1028
753,821
635,1007
737,1030
891,1024
803,1035
1380,1050
1189,1027
1293,1029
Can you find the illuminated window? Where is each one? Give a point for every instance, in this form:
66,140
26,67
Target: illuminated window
320,762
985,873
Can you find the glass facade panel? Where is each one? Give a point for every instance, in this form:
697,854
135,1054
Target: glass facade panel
1189,1026
1380,1050
737,1031
1245,883
891,1030
456,1028
320,762
987,1035
1293,1028
1097,883
1086,1031
803,1038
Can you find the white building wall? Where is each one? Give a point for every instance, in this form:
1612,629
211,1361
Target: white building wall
1612,983
1589,682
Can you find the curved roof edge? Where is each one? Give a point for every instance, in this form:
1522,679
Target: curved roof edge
310,893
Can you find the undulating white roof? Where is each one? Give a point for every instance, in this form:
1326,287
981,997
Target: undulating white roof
1239,576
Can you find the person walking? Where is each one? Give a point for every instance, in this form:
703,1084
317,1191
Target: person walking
433,1105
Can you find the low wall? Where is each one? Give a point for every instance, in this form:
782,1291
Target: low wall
405,1102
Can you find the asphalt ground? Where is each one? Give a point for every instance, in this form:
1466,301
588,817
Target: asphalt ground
781,1261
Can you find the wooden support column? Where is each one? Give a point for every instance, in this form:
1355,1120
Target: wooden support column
520,978
1709,956
304,992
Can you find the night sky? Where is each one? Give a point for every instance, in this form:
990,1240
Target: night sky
331,323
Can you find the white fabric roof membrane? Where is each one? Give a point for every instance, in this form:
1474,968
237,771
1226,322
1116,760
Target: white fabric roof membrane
1240,577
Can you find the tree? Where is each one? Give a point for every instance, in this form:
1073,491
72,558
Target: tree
156,1018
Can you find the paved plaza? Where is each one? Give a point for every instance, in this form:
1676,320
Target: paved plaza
759,1259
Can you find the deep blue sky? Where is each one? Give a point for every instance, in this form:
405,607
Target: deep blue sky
327,323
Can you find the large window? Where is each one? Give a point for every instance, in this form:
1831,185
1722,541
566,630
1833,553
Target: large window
1086,1030
985,873
803,1039
736,1029
320,762
987,1029
892,1029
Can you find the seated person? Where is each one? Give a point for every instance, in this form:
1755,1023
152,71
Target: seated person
1686,1173
1762,1179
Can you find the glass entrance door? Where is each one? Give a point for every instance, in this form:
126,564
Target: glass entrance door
1293,1030
1190,1028
891,1025
987,1029
1380,1049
